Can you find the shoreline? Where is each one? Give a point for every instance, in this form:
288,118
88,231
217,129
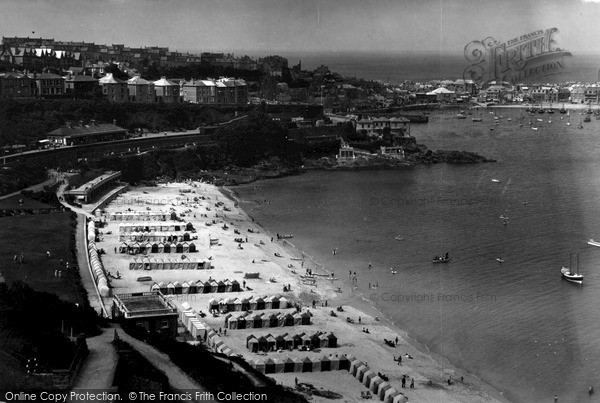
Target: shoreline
359,302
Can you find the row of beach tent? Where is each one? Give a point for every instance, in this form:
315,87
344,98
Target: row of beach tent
248,304
155,227
371,380
158,236
95,263
196,287
168,264
143,216
306,364
286,341
160,247
264,320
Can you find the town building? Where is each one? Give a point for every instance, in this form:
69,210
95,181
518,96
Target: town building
166,91
91,190
199,92
16,85
113,89
48,85
80,86
148,310
71,134
140,90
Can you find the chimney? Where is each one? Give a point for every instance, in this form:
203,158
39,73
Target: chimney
115,122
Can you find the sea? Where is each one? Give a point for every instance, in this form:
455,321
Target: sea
398,67
517,325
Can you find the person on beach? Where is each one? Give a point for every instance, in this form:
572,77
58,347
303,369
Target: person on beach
403,381
412,383
396,340
369,265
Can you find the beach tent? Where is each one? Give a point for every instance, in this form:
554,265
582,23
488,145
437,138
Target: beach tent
271,342
316,364
214,286
241,322
185,288
176,264
235,286
166,247
123,248
344,363
280,342
193,247
177,288
323,340
280,319
228,318
193,288
186,238
148,247
197,329
154,248
382,388
245,304
273,320
260,303
220,286
306,340
275,302
249,322
315,340
266,321
334,363
375,384
297,319
298,364
400,398
257,319
163,287
305,318
154,264
207,287
179,248
229,302
199,287
331,340
360,372
189,226
252,343
227,284
389,395
278,365
367,378
298,340
237,304
288,319
260,366
288,365
289,341
170,288
135,248
155,287
283,303
269,302
186,247
252,304
307,365
269,366
354,366
325,363
212,304
262,343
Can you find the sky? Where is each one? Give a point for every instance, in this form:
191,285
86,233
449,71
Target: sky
267,26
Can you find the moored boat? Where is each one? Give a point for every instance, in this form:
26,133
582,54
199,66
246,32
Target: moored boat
571,276
594,243
441,259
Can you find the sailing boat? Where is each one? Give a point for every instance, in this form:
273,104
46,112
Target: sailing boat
571,276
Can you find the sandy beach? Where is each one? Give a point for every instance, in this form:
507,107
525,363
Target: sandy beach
216,215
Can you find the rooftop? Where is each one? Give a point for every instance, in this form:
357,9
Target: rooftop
70,130
144,304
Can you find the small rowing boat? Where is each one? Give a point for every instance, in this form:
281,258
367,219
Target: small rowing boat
594,243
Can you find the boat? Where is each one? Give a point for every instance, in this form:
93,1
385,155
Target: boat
393,271
571,276
284,236
534,128
399,238
277,254
461,116
496,180
499,260
594,243
441,259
